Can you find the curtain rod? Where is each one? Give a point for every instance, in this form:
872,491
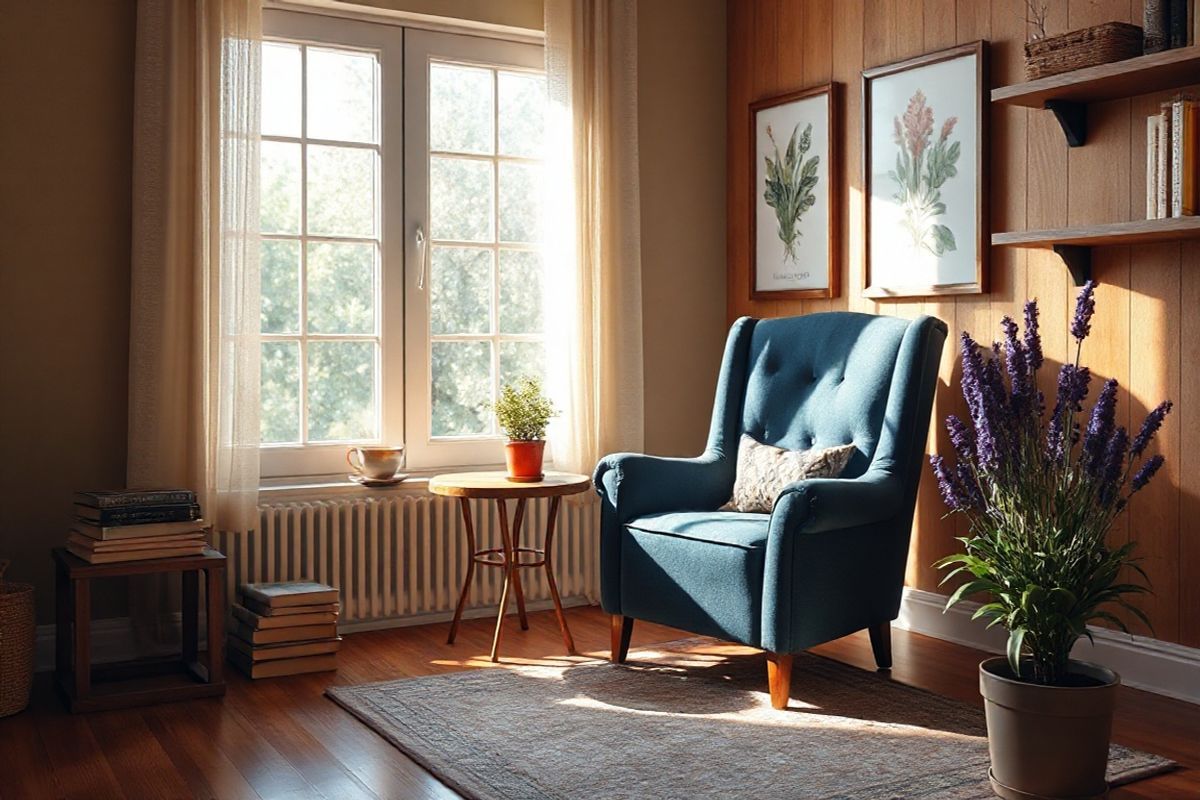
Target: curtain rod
408,19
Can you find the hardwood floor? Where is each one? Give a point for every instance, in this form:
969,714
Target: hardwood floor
281,737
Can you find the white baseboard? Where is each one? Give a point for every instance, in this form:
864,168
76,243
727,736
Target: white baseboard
1143,663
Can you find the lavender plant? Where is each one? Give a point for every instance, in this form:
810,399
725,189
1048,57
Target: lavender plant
1041,495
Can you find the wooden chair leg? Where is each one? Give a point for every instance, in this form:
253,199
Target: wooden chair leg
779,678
622,630
881,644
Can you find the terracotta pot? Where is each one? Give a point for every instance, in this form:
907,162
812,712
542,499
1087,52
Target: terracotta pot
524,460
1048,741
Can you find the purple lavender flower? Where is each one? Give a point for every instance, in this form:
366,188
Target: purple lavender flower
1085,306
1112,474
977,393
1147,471
952,494
1154,421
971,494
1072,389
1033,339
1017,365
1100,427
961,438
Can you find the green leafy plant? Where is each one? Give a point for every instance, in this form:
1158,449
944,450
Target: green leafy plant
1041,495
523,411
789,185
921,171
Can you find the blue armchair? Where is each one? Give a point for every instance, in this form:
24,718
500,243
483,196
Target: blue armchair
830,557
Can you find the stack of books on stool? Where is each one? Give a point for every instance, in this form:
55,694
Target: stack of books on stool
284,629
135,525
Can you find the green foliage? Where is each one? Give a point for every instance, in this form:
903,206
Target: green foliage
789,185
523,411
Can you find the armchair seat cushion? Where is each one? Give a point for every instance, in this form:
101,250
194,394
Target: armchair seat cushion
697,570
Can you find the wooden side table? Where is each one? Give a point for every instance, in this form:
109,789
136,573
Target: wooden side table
496,486
145,681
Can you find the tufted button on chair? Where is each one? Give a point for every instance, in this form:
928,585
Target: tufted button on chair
830,557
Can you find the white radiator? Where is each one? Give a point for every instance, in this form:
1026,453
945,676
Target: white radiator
401,560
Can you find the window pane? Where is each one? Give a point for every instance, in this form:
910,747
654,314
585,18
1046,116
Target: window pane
280,187
280,89
520,202
521,360
341,391
341,95
460,199
460,290
341,191
280,392
522,100
462,388
460,109
280,286
520,291
341,287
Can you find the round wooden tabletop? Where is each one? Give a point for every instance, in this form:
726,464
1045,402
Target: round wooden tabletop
496,485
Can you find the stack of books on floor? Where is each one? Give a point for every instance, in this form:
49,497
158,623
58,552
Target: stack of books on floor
1173,160
284,629
136,525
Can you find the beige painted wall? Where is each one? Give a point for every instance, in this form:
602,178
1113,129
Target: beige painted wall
66,87
64,250
681,132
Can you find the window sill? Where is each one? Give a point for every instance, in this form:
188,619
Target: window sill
321,487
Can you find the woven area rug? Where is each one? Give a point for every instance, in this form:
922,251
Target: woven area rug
673,724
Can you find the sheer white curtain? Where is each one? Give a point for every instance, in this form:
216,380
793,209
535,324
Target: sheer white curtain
194,348
593,256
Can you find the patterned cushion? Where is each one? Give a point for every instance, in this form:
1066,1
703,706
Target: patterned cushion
764,471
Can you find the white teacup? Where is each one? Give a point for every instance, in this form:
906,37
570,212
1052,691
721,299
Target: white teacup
376,463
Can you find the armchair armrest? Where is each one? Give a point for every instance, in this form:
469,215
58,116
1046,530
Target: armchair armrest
826,504
633,485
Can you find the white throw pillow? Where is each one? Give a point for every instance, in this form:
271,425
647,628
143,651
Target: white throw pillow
764,471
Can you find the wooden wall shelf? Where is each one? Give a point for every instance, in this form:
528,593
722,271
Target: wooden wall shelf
1069,94
1074,245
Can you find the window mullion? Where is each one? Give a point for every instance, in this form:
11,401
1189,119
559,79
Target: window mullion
303,245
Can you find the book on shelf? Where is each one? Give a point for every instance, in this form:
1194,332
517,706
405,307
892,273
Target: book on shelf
1152,156
1177,19
116,556
1162,197
289,593
148,543
264,610
274,652
303,633
114,532
259,622
138,515
325,662
1155,34
1173,160
121,498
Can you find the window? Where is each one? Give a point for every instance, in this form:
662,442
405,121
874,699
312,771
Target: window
401,216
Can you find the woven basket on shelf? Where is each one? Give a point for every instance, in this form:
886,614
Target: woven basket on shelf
1099,44
16,644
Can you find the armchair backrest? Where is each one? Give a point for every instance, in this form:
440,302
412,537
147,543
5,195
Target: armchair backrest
826,379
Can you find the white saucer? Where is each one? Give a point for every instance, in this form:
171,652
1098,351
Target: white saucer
375,483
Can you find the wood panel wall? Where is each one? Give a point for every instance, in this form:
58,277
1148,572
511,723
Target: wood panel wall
1146,332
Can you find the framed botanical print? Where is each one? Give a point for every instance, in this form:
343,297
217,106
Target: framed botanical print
925,172
793,189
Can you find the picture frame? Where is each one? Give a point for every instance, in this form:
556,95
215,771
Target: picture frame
925,174
794,220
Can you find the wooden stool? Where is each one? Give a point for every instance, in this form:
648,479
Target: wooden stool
144,681
496,486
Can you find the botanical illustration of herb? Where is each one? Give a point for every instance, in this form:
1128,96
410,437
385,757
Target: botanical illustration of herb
921,171
790,182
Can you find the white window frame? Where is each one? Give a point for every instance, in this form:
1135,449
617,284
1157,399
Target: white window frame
420,49
387,44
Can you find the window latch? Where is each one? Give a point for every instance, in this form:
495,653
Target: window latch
423,255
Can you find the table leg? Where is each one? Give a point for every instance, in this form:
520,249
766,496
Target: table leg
81,591
214,619
465,505
549,563
190,616
509,571
62,621
518,520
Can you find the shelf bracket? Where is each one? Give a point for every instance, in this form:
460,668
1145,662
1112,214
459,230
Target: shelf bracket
1078,259
1073,119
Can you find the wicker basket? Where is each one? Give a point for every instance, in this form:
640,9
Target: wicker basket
1099,44
16,644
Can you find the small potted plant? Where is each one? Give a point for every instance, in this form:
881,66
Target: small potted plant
523,412
1040,493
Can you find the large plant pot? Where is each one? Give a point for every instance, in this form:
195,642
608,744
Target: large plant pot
524,460
1048,741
